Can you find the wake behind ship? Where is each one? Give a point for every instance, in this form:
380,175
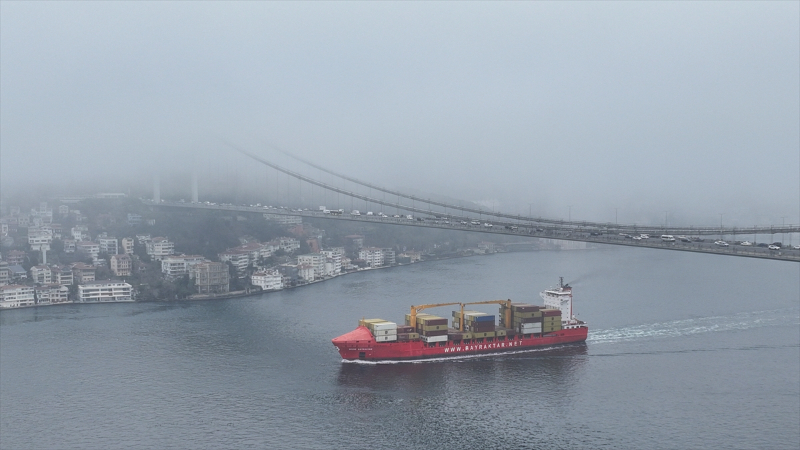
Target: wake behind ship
519,326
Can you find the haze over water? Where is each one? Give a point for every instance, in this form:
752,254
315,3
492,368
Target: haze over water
684,351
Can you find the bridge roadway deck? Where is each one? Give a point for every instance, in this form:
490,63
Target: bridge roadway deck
609,236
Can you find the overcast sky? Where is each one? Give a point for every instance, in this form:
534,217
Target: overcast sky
685,110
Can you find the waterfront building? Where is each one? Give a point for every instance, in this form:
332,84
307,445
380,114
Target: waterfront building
159,247
210,277
333,262
388,257
51,294
412,256
267,280
121,265
316,261
134,219
306,272
372,256
16,296
175,266
105,291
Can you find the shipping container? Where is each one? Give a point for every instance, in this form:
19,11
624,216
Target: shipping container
425,321
385,333
434,338
484,318
523,307
484,334
434,333
527,315
391,338
382,326
366,322
432,327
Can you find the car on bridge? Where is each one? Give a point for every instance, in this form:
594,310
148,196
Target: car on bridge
746,243
773,247
721,243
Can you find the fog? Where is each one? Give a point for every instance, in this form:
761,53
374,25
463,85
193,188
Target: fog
686,112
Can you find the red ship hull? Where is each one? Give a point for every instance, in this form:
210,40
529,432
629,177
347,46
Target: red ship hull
360,344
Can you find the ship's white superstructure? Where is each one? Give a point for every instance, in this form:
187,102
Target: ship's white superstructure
560,298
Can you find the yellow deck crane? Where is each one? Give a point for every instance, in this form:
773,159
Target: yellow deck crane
506,319
416,309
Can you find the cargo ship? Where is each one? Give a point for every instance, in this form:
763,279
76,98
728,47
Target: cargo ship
519,326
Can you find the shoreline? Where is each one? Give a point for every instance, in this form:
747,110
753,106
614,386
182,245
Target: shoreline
248,293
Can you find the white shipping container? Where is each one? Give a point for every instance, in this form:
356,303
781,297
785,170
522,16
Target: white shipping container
386,338
434,338
385,332
384,326
530,327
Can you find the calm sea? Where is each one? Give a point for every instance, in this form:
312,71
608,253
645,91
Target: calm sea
685,351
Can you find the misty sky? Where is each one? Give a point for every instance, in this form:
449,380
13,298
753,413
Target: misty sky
681,109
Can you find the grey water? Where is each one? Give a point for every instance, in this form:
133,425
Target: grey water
684,351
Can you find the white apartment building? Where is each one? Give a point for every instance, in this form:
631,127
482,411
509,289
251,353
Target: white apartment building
315,260
41,274
239,258
105,291
39,239
178,265
267,280
80,233
305,272
289,245
372,256
108,245
88,248
160,247
333,263
15,296
127,245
